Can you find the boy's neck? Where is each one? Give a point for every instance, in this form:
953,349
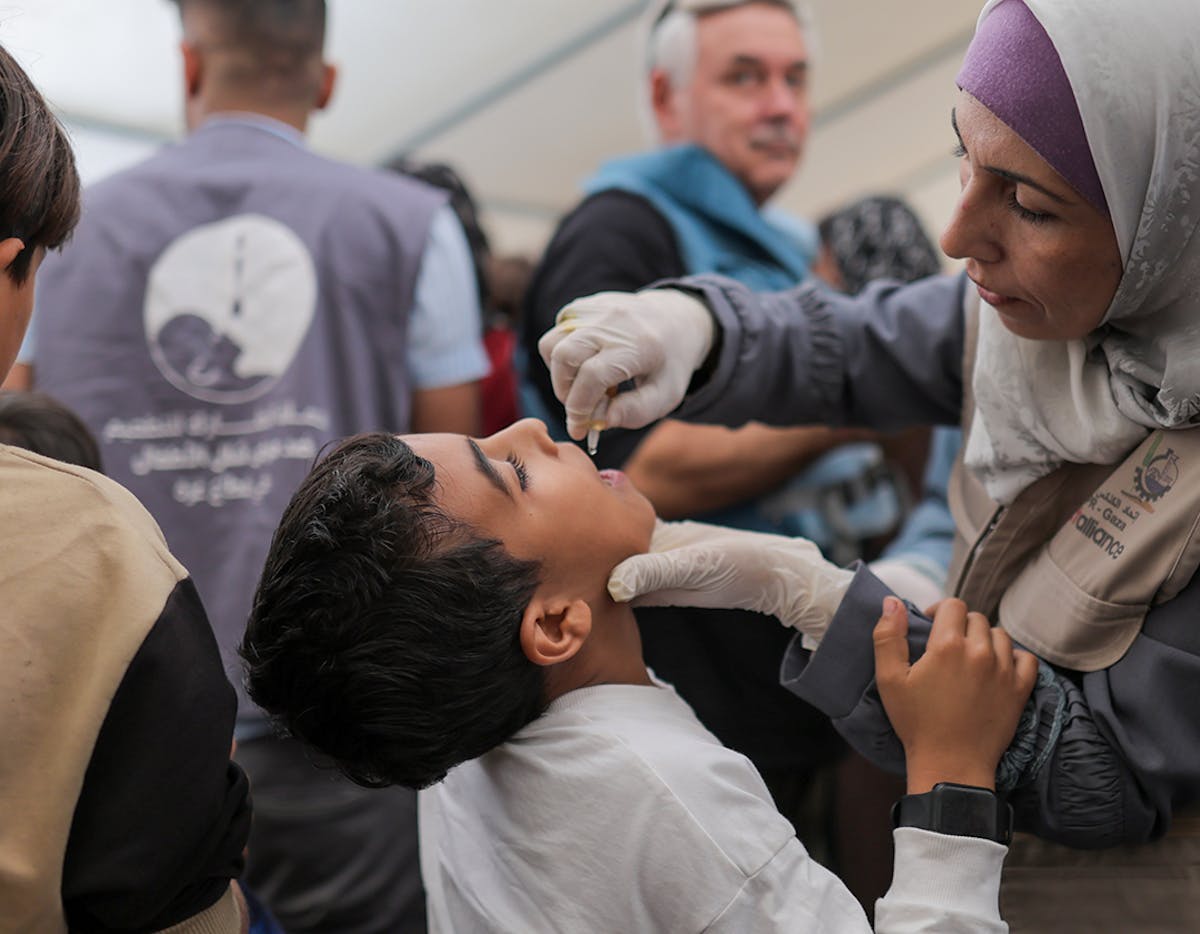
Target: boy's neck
611,655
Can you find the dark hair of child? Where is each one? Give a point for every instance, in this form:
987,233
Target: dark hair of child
384,632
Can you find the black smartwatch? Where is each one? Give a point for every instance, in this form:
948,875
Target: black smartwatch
960,810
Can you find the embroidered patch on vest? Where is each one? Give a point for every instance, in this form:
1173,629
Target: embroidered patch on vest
1156,475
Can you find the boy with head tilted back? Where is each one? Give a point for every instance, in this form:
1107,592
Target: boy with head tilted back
434,612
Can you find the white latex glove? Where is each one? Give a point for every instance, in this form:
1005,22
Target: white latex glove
657,338
694,564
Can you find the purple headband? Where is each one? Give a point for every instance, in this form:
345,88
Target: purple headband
1013,69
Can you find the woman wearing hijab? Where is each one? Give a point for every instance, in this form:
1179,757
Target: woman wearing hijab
1070,350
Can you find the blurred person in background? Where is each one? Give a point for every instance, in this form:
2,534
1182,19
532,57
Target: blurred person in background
727,85
501,283
874,237
40,423
880,237
509,278
225,309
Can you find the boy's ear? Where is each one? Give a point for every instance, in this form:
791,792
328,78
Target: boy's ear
553,630
10,249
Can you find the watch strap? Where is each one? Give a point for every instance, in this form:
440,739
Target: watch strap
959,810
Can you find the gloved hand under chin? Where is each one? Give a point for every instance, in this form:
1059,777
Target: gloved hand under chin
657,338
694,564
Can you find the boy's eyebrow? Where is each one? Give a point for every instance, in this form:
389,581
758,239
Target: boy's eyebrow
486,468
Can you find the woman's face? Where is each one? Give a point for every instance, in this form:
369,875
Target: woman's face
1041,255
544,500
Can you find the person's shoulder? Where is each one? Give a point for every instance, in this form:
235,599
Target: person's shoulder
647,742
604,766
611,240
650,723
116,189
376,186
617,212
76,512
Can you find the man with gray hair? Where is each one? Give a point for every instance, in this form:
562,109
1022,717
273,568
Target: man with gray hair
758,131
727,85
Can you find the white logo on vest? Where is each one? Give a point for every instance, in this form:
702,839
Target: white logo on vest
228,306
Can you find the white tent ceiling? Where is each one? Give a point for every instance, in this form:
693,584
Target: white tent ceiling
524,97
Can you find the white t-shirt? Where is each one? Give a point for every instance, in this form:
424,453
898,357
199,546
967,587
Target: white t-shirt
617,811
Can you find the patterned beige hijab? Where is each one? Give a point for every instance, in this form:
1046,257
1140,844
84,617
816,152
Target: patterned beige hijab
1134,68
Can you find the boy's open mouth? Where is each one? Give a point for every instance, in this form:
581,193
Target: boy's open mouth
613,478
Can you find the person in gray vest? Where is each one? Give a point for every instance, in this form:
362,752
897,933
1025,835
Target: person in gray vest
227,308
1068,349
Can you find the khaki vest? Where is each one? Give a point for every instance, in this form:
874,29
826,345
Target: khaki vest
1071,567
84,575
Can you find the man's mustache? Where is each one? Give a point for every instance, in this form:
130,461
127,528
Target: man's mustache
773,135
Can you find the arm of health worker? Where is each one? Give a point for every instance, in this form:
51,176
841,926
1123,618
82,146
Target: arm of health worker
1101,758
887,358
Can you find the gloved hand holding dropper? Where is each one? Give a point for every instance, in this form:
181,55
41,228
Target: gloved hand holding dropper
656,339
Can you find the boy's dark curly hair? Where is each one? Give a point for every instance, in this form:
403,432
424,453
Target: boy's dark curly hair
384,632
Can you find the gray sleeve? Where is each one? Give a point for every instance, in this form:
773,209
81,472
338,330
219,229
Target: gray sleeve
886,358
1099,759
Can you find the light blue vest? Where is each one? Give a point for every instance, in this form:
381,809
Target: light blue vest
718,227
